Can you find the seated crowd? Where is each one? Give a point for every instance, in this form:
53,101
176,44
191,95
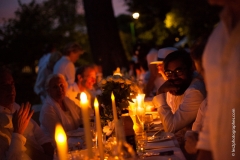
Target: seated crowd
175,83
177,100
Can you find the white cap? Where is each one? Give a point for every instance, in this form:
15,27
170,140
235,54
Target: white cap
162,54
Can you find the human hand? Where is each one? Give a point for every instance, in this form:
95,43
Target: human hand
21,118
191,139
168,86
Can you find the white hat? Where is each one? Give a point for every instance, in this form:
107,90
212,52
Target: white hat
162,54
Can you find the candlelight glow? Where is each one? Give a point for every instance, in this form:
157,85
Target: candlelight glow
95,103
83,97
138,100
61,140
112,96
60,135
114,109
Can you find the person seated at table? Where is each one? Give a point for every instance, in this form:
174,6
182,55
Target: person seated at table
179,98
155,65
65,65
58,108
85,79
20,136
191,137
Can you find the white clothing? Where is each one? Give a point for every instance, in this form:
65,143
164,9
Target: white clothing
43,72
43,60
73,93
39,87
65,67
198,124
185,111
152,55
221,57
12,144
51,114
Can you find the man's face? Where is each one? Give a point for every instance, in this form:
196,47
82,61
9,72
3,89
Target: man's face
179,75
57,89
89,79
7,90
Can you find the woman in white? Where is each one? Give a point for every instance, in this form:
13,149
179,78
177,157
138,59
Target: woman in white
58,108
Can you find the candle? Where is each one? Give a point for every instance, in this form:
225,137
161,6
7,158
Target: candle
140,100
85,107
61,141
99,129
115,117
132,107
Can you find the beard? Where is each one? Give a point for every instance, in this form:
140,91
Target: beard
182,86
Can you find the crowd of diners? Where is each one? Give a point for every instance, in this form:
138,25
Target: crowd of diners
196,94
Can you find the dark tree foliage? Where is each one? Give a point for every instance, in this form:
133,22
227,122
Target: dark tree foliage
25,37
190,18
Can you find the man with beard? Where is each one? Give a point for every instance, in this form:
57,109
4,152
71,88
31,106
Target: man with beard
20,136
179,98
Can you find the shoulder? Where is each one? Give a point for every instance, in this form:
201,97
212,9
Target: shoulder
69,102
47,106
197,84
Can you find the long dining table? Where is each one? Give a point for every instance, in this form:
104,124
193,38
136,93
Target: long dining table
164,149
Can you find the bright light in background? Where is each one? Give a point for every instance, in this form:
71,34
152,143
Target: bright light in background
135,15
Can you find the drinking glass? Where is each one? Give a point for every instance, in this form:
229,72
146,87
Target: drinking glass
94,138
148,120
141,144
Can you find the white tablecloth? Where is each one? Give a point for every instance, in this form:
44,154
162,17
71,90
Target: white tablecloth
162,146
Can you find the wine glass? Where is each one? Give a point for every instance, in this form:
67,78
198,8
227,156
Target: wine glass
141,144
94,138
148,120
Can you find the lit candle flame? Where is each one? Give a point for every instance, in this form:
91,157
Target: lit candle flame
95,103
112,96
83,97
61,140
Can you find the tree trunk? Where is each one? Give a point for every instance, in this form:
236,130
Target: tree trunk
106,46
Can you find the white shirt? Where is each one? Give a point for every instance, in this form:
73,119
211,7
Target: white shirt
198,124
12,144
65,67
44,60
51,114
186,110
39,87
221,61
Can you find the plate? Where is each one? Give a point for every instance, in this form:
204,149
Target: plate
162,136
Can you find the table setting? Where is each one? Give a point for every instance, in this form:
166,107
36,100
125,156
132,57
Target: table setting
138,134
